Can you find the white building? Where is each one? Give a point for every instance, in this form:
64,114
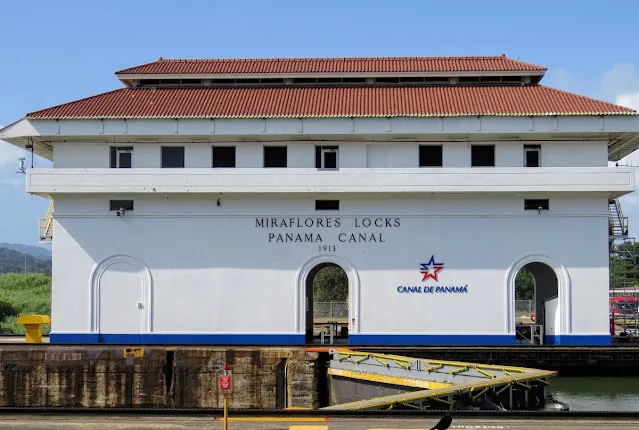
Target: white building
430,181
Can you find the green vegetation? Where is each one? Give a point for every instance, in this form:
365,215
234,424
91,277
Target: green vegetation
524,286
624,265
23,295
330,285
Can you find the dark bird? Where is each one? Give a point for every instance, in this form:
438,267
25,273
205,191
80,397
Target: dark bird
444,423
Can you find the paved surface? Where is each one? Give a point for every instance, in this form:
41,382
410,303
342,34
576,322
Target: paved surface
19,339
39,422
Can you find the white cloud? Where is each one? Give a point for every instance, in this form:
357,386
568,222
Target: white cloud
630,100
620,80
9,155
11,184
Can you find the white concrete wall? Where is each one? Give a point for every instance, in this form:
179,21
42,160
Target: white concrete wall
214,271
352,154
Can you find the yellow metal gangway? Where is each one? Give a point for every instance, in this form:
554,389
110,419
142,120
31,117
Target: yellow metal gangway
46,225
436,380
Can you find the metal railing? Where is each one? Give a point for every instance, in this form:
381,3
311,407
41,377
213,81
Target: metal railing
46,224
618,224
330,309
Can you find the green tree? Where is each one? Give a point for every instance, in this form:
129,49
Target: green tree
624,265
524,285
330,285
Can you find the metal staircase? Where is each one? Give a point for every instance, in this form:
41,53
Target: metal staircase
618,224
46,226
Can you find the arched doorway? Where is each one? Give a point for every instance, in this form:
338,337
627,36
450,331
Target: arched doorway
121,299
327,303
537,304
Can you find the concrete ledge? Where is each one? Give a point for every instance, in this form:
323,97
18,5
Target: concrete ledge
615,181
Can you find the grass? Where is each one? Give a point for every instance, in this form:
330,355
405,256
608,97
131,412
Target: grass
23,295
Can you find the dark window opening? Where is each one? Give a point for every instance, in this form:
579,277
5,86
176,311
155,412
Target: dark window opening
121,157
482,155
388,80
430,156
532,155
173,156
272,81
354,80
275,156
326,157
412,79
534,205
117,205
224,156
326,205
304,80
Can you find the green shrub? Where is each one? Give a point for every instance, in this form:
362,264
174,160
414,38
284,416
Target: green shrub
23,295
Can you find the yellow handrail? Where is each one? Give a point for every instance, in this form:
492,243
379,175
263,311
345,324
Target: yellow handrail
46,224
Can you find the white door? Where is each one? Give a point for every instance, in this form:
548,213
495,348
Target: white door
551,317
121,300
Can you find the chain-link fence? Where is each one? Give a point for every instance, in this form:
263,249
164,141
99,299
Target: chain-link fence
330,309
523,308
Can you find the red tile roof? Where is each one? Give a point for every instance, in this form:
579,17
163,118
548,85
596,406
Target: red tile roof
330,102
333,65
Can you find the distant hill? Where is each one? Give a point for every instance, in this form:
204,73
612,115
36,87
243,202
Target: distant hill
12,261
34,251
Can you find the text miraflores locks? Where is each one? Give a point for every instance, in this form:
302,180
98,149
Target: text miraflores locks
327,223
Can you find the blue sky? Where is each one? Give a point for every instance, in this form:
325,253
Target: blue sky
54,52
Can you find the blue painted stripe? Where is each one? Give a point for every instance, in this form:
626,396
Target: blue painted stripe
578,339
432,339
177,339
300,339
74,338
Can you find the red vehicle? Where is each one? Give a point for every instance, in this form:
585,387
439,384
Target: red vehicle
624,307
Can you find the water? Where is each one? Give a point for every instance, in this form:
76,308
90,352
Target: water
597,393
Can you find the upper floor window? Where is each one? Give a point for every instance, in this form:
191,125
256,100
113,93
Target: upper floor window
482,155
326,157
430,156
121,157
173,156
275,156
532,155
224,156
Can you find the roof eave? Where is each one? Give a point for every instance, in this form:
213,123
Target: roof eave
263,116
446,74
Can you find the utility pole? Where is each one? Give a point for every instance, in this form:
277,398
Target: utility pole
25,264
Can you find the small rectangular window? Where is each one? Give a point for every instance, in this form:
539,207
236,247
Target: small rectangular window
535,205
326,205
326,157
532,155
224,156
117,205
172,156
430,156
482,155
121,157
275,156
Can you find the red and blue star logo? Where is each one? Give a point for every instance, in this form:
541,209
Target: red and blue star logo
431,269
